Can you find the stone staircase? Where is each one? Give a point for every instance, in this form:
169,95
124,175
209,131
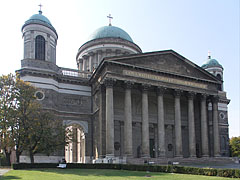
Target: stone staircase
210,161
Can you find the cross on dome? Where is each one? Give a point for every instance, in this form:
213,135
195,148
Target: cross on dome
209,55
110,19
40,10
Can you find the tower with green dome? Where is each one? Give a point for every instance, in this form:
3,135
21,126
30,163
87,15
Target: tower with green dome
40,38
214,67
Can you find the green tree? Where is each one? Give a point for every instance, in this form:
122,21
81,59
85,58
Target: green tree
25,125
235,146
8,108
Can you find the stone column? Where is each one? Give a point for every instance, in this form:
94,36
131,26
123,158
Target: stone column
117,52
145,123
80,66
161,125
99,54
109,118
100,121
108,52
90,61
74,145
215,127
178,124
191,125
128,120
85,63
204,127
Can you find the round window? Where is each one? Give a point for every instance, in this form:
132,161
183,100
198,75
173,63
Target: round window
39,95
222,115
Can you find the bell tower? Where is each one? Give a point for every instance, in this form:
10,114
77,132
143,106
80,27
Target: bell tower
40,38
215,68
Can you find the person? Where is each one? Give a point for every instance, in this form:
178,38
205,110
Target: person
63,161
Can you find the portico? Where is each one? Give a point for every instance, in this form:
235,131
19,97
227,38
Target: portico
146,104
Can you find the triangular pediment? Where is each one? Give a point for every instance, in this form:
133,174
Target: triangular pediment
166,61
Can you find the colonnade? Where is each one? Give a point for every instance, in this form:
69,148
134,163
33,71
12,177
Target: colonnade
128,144
90,61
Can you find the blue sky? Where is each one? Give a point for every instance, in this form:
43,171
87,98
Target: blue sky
189,27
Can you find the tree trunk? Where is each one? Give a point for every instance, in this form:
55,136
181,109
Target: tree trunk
18,153
31,156
8,158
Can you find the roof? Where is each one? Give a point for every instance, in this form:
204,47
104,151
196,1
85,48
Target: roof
211,63
39,19
110,32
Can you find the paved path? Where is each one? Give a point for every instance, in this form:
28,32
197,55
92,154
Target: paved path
3,171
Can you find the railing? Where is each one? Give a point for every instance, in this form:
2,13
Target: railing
74,73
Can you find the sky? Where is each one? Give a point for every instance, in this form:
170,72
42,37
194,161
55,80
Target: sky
189,27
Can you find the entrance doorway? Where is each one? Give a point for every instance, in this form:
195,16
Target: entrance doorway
152,148
75,147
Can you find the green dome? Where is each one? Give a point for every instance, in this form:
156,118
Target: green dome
110,32
211,63
39,19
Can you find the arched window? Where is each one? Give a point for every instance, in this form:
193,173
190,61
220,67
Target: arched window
40,48
219,76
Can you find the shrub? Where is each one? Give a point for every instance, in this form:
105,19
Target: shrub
234,173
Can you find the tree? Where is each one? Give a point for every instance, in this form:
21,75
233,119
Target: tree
8,107
26,126
235,146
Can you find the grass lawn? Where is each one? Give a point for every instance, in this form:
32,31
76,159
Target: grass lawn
96,174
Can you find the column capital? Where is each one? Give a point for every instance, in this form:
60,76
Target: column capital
128,84
108,50
203,96
99,51
191,95
177,93
85,56
145,87
118,51
160,90
90,53
215,99
108,82
80,60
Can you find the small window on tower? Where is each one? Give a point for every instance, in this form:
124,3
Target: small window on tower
40,48
219,76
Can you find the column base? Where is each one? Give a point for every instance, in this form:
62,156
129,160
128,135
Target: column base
145,156
128,155
192,156
178,156
109,156
161,156
205,156
216,155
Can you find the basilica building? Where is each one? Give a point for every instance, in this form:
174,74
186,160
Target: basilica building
124,105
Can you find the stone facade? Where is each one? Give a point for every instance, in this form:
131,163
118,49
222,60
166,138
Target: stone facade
122,104
174,106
